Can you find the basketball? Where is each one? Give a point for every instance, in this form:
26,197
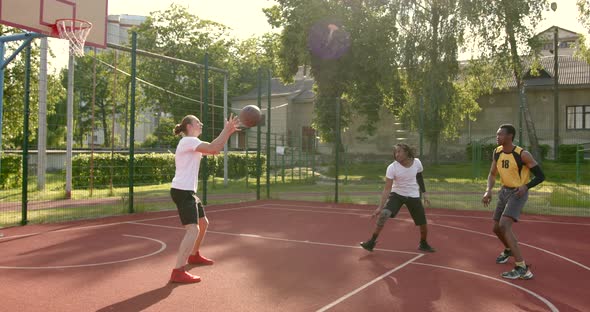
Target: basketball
249,116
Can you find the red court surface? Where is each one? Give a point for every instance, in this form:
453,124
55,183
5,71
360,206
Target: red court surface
294,256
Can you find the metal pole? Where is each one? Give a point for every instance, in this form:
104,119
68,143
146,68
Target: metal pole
70,125
132,118
25,191
2,46
42,115
268,96
225,114
205,126
258,135
337,144
421,126
555,93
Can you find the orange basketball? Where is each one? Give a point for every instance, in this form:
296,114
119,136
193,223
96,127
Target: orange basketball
250,116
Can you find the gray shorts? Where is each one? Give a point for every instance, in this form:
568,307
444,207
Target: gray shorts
509,204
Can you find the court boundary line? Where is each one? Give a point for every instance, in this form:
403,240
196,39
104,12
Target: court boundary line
447,226
361,288
375,280
431,214
282,239
77,228
520,243
162,248
530,292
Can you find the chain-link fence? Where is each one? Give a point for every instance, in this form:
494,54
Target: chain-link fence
120,156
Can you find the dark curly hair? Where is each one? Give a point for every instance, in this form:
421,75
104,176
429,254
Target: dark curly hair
409,150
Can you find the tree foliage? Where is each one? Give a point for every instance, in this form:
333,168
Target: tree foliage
177,33
14,92
403,53
503,31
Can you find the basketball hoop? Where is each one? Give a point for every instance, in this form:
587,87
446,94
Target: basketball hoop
75,31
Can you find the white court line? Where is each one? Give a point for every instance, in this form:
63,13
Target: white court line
114,223
545,301
281,239
162,247
451,227
354,292
429,214
524,220
520,243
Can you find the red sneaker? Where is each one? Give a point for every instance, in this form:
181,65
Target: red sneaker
198,259
182,276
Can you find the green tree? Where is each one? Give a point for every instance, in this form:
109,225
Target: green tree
363,77
402,53
14,92
503,31
432,33
177,33
94,83
583,50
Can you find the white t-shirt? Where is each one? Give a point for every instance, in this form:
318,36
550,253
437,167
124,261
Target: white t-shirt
187,162
404,179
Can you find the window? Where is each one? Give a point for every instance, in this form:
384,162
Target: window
578,117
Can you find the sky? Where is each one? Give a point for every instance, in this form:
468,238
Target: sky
246,19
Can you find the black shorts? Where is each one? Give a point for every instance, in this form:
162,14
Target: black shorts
414,204
188,205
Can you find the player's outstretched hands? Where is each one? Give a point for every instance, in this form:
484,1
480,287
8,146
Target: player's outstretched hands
232,123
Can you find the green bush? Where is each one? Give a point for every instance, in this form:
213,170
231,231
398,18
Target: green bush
152,168
567,153
11,173
486,151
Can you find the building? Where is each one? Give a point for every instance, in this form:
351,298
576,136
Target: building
292,112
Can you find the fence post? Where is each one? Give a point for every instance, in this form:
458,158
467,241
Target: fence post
132,116
337,145
25,185
268,96
258,135
205,133
579,150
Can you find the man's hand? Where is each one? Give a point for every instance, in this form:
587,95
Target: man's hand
521,190
426,200
487,198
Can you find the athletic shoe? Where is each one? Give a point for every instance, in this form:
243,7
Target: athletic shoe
198,259
182,276
369,245
504,256
425,247
519,273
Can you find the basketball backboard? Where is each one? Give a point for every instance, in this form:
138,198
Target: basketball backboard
40,15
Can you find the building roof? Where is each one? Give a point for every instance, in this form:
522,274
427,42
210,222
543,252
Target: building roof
572,71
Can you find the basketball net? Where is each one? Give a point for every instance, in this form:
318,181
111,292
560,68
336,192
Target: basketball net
75,31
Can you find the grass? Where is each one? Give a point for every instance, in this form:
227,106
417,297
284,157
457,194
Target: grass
450,186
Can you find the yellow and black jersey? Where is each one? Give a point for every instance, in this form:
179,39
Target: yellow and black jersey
513,173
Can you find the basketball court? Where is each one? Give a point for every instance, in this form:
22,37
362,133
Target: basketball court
293,256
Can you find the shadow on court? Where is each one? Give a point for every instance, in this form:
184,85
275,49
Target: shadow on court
142,301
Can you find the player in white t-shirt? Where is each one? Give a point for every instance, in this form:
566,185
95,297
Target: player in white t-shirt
187,157
403,185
